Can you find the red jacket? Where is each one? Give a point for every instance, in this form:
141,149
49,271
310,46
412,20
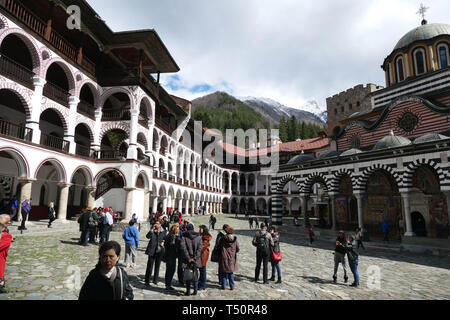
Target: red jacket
5,243
205,250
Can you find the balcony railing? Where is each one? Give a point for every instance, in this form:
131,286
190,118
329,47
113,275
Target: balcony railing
163,126
143,122
15,131
112,155
122,115
83,151
23,14
56,93
54,142
86,109
15,71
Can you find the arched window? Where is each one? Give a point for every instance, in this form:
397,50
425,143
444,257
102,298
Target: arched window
443,55
400,69
420,64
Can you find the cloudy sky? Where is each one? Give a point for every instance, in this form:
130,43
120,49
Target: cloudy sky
291,51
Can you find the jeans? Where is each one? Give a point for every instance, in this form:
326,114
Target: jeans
171,266
130,250
13,213
24,219
84,237
354,268
224,277
264,259
202,280
276,267
360,244
106,231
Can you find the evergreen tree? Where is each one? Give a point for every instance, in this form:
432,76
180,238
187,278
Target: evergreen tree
292,129
283,130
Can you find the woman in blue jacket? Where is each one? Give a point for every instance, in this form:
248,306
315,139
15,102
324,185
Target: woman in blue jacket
131,237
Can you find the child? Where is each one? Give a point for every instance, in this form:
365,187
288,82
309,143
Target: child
311,236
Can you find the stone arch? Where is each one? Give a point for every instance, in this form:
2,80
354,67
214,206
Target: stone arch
20,159
88,126
145,178
60,169
315,178
142,139
29,42
23,95
111,126
62,112
361,185
106,170
96,91
150,107
412,167
86,172
67,70
108,93
284,181
3,22
336,179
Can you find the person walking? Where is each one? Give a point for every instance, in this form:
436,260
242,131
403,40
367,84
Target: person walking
83,220
212,222
385,229
229,248
358,238
353,258
170,255
51,214
107,281
25,210
250,222
263,242
206,238
155,252
277,250
131,237
101,225
216,251
13,205
191,250
256,222
5,243
93,224
339,255
311,236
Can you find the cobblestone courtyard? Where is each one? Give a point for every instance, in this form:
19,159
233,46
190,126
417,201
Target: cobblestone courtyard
45,267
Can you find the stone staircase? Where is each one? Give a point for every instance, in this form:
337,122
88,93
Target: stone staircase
40,228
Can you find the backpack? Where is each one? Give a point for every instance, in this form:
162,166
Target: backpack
92,223
263,245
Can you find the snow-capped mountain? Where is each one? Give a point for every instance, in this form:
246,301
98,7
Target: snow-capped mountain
311,112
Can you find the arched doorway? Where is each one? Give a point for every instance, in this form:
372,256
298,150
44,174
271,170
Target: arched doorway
83,140
110,192
78,194
418,224
113,144
346,205
14,116
51,125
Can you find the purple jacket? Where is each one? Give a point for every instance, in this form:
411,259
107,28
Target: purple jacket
26,207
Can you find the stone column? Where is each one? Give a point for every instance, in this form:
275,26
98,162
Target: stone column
239,184
229,183
132,148
70,136
447,198
146,203
194,173
267,185
407,212
333,210
97,130
246,184
229,206
187,207
206,207
289,200
91,196
62,203
304,198
33,123
25,193
155,204
360,209
182,171
256,185
164,204
128,203
180,204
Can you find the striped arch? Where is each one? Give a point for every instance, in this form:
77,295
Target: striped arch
279,188
3,22
20,159
114,125
412,167
336,180
106,170
29,42
60,169
95,88
23,94
87,174
314,178
362,182
64,114
67,70
145,177
108,93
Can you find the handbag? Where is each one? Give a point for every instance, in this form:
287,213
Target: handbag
276,256
188,274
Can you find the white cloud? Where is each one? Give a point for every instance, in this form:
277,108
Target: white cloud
288,50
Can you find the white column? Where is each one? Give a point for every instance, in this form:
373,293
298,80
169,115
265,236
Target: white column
180,204
256,184
62,203
36,101
333,210
432,58
407,213
97,130
146,203
246,184
182,171
164,207
289,206
129,195
194,173
187,206
91,196
267,185
70,136
25,193
132,148
407,65
304,207
229,183
239,184
155,204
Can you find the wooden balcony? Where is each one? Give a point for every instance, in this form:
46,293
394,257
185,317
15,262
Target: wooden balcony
163,126
83,151
86,109
32,21
112,155
122,115
57,94
16,72
15,131
143,122
54,142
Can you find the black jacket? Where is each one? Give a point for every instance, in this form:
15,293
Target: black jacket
171,245
83,220
51,213
97,287
341,249
155,240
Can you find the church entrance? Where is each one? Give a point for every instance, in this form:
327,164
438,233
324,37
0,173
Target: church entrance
418,224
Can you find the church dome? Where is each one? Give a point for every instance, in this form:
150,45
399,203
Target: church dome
330,154
350,152
391,141
423,32
301,158
430,137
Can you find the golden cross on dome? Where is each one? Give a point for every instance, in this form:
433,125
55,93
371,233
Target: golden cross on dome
422,10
